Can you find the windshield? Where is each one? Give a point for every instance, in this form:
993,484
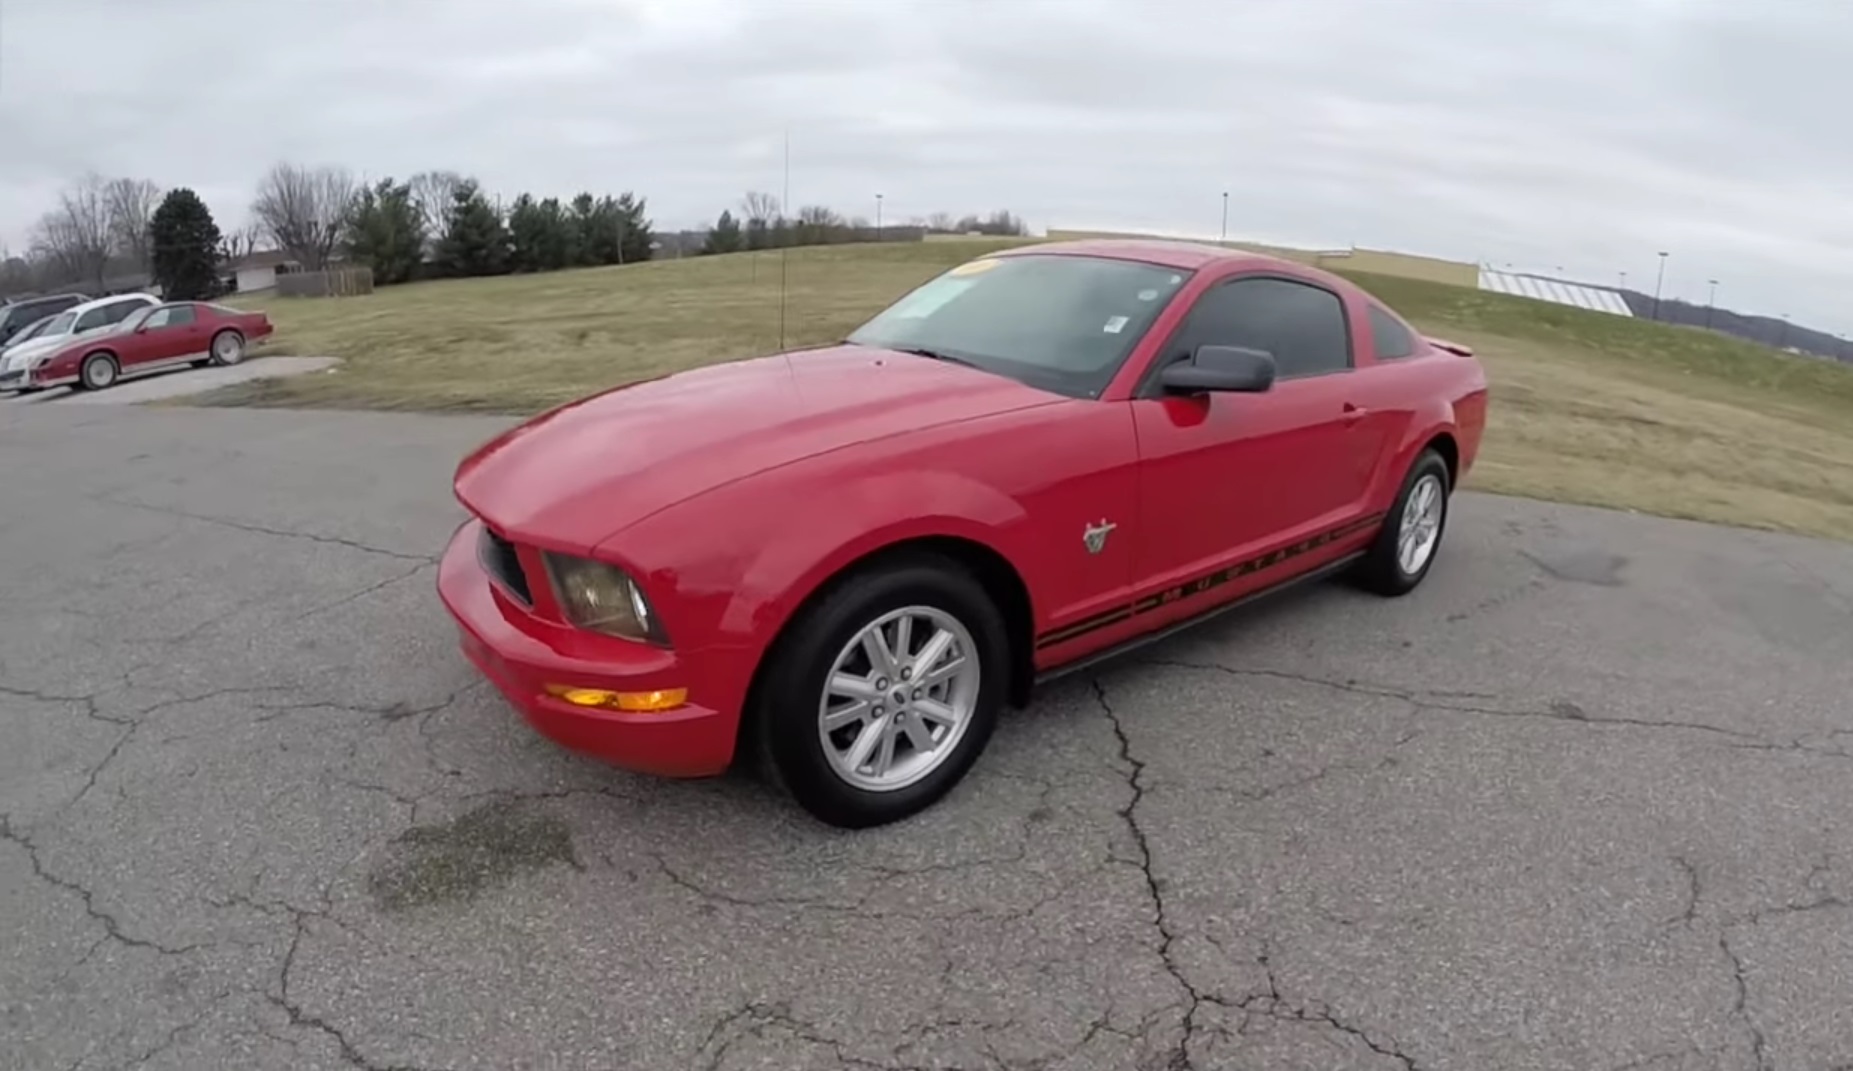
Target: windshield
132,321
1061,323
59,325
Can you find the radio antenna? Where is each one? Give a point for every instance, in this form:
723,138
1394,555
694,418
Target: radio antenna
785,242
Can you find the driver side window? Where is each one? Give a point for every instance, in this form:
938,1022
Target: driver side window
1302,325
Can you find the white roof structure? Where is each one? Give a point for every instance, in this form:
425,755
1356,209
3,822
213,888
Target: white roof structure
1556,291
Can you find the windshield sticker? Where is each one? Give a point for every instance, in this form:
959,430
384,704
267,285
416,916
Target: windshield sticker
1148,295
928,299
974,267
1115,325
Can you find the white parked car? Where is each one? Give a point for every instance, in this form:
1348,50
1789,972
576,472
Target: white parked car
98,315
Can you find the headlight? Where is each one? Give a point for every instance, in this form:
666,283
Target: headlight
602,598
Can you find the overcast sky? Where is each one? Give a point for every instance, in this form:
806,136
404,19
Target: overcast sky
1586,134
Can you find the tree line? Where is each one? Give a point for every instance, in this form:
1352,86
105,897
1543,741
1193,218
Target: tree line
762,225
434,224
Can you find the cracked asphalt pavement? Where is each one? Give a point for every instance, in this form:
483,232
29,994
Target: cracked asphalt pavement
1583,801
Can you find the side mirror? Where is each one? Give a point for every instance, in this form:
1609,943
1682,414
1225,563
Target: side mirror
1220,368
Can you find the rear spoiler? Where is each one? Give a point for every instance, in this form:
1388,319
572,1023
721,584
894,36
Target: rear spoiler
1455,348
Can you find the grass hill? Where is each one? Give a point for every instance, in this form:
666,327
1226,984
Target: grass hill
1587,407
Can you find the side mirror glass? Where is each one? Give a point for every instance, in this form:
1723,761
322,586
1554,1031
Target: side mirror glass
1221,368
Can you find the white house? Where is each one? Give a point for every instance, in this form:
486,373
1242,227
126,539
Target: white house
259,270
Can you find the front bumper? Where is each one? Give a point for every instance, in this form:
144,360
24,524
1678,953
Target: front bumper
522,654
24,379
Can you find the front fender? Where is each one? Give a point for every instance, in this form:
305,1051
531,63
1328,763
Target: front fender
731,567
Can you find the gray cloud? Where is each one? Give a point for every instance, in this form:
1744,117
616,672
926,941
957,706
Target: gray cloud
1581,133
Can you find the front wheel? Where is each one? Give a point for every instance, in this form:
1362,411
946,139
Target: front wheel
97,372
885,692
1406,547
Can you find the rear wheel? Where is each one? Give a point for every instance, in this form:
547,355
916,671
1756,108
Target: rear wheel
1411,537
98,372
227,348
884,693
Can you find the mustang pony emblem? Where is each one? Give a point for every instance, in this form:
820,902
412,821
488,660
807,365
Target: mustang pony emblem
1095,535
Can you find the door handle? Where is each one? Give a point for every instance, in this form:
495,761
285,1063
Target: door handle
1355,413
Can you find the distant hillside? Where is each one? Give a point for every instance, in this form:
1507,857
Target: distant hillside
1767,330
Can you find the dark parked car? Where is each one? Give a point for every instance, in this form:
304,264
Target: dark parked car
16,315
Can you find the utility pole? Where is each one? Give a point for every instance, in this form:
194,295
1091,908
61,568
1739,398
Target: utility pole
1657,281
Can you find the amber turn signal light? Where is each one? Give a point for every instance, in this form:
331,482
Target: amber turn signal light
629,702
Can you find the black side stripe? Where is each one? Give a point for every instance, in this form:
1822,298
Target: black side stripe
1207,582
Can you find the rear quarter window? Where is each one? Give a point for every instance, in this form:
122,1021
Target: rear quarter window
1388,336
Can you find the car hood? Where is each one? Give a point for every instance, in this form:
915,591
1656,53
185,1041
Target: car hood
571,477
16,356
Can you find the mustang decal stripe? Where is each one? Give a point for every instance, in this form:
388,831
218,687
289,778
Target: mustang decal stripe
1206,582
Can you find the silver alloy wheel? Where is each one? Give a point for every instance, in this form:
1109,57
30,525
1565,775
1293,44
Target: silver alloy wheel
899,698
1420,529
104,375
228,349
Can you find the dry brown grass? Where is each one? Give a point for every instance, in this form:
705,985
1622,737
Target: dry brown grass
1587,407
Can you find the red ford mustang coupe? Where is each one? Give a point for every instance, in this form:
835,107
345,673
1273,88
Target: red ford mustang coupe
846,561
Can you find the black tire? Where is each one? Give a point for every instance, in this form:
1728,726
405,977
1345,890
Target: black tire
98,372
786,722
1381,571
237,350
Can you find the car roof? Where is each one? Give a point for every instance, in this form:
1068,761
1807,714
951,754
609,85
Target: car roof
1163,252
40,299
88,305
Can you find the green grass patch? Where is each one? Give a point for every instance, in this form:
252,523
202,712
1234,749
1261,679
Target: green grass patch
1587,407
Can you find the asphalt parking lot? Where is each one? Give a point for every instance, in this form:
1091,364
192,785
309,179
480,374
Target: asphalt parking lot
1583,801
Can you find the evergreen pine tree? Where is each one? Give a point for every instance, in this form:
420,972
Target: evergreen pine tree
724,236
475,241
385,230
184,247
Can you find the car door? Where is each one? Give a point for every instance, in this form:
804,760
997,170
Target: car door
1226,478
169,335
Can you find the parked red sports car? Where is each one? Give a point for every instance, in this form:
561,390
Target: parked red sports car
153,339
849,559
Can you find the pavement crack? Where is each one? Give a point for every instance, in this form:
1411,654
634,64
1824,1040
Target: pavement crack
1180,1059
1273,1004
259,529
1741,1006
298,1017
1690,913
111,927
344,600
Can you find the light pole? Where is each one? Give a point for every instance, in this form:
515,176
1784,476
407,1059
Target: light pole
878,217
1782,340
1624,280
1657,281
1225,219
1711,300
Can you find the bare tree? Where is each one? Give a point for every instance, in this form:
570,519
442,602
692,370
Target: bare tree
302,209
238,244
435,191
131,206
760,208
75,237
941,222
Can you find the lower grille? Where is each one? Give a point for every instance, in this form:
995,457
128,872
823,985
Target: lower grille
504,565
